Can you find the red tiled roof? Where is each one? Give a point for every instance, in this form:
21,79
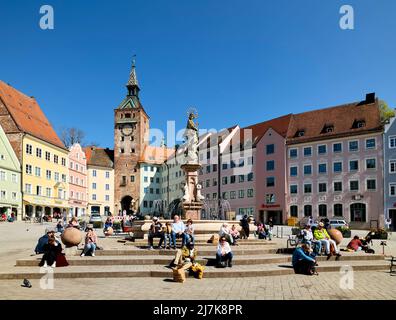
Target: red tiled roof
341,118
28,115
99,156
280,125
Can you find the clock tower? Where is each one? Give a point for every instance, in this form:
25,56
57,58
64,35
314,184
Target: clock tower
131,133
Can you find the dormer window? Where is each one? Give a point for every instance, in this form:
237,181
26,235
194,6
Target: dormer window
358,124
361,124
300,133
328,128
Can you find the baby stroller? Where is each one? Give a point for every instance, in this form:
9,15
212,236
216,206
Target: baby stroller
367,242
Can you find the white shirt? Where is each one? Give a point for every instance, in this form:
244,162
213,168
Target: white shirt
223,249
308,235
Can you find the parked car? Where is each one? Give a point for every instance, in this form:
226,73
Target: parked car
335,223
96,220
338,223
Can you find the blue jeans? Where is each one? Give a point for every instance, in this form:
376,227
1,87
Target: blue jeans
225,258
174,236
167,239
315,245
189,238
90,247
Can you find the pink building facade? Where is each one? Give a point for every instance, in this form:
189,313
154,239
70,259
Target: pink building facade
270,185
337,178
78,197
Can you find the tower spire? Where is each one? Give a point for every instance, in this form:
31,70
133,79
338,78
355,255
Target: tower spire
132,84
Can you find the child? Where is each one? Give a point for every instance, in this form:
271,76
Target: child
167,235
189,231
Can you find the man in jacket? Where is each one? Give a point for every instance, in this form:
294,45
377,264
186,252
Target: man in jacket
302,262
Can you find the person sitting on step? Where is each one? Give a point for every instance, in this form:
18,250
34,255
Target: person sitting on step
303,262
189,231
155,231
167,231
224,254
178,228
185,257
225,232
53,253
322,235
108,224
91,241
262,231
234,234
355,244
73,223
308,238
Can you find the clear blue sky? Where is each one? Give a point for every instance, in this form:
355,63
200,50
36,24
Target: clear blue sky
236,61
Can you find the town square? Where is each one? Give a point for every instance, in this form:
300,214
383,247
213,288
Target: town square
170,151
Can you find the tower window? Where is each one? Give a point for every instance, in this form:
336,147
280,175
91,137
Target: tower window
132,150
127,115
122,150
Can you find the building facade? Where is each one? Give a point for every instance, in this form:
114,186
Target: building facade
78,193
100,169
10,179
389,186
335,164
42,155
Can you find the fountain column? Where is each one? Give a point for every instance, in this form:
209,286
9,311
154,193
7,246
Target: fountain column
192,199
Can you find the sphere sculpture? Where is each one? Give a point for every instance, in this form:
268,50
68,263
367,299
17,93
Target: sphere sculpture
336,235
109,231
71,237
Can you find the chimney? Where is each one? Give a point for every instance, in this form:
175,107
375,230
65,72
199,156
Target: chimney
370,98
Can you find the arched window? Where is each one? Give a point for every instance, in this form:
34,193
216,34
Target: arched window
358,212
322,210
338,211
307,210
294,211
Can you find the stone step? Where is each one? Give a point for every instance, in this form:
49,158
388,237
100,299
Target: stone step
199,243
202,251
164,272
204,260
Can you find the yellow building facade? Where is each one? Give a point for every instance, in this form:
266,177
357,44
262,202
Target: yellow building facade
45,174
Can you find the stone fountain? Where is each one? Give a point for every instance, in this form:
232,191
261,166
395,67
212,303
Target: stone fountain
192,199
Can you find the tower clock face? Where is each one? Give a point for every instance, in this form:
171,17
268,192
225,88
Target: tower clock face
127,129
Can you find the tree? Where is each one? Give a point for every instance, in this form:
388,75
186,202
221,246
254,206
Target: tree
385,112
70,136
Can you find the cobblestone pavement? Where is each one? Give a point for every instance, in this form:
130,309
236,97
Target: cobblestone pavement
366,286
18,240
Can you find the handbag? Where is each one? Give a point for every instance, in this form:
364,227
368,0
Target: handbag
179,275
